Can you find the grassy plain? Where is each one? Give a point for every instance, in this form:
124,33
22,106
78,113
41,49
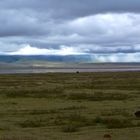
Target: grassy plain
70,106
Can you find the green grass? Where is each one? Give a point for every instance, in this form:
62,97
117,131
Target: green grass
69,106
114,123
70,128
32,123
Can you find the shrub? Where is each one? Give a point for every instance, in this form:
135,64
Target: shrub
70,128
31,123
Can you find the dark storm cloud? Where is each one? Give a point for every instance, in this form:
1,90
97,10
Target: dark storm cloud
25,22
35,17
86,26
73,8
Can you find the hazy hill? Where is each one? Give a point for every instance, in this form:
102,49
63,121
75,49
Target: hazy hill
51,58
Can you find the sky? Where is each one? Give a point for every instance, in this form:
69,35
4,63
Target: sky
106,30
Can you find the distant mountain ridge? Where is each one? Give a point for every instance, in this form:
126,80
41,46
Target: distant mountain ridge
43,59
51,58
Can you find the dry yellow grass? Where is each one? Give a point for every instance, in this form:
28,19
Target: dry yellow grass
60,106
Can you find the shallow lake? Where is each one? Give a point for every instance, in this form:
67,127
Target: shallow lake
65,70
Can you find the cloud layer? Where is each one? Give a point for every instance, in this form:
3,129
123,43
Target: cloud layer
106,30
68,50
28,50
